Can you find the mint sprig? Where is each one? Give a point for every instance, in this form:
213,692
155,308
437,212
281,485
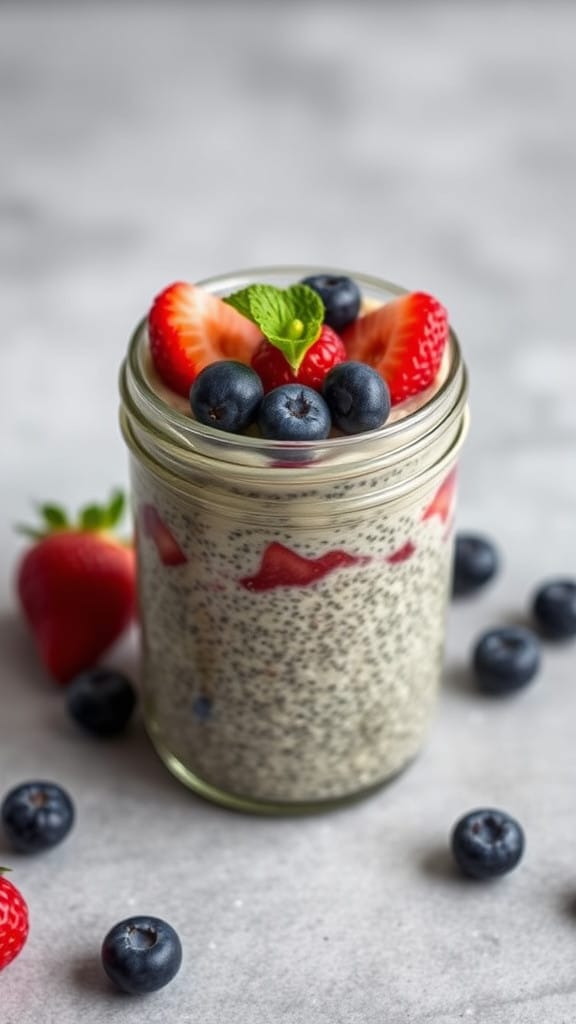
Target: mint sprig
290,318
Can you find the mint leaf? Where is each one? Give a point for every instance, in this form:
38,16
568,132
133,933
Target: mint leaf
290,318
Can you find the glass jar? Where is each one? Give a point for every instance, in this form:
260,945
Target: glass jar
292,594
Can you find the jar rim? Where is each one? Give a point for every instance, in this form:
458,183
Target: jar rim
140,397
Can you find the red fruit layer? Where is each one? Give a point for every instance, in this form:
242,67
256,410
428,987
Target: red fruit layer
154,527
282,567
443,501
189,328
274,369
404,340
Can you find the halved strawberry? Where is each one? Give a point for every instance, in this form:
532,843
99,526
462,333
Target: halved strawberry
274,369
404,340
189,328
282,567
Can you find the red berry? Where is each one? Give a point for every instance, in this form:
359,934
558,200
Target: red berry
404,340
77,589
13,921
274,369
190,328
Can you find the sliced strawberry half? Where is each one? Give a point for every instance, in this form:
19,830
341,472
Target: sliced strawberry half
189,328
404,340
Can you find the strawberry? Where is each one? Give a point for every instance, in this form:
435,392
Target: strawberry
404,340
274,369
282,567
189,328
443,501
76,586
402,554
153,526
13,921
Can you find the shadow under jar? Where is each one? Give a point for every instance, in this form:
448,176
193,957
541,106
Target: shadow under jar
282,698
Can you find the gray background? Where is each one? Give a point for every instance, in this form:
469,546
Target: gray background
432,144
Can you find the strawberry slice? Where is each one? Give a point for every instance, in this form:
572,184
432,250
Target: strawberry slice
404,340
402,554
282,567
154,527
274,369
189,328
443,501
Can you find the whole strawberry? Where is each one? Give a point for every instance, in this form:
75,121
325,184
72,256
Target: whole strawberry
76,586
13,921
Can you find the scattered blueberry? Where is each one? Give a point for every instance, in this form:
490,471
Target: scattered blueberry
202,707
487,843
505,659
36,816
294,412
341,297
357,396
226,395
554,609
476,561
101,701
141,954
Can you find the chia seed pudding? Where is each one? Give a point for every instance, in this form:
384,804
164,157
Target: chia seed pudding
267,691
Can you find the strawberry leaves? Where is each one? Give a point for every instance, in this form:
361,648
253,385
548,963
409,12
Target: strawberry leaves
54,519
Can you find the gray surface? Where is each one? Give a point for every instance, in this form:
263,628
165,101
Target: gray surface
431,144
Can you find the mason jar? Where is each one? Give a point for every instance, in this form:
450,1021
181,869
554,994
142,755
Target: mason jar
292,595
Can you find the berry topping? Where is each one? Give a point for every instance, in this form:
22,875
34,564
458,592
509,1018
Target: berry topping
141,954
476,562
77,587
189,328
357,397
226,395
282,567
290,318
274,369
404,340
13,921
153,526
294,413
506,659
554,609
101,701
341,297
36,816
487,843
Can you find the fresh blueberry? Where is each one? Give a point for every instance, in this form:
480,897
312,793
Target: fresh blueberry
294,412
141,954
487,843
476,561
101,701
341,297
36,816
505,659
226,395
554,609
357,396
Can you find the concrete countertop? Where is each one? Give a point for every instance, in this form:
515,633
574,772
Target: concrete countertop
432,144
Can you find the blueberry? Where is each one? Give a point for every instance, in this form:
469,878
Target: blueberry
505,659
487,843
226,395
36,816
101,701
357,396
476,561
294,412
554,609
141,954
341,297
